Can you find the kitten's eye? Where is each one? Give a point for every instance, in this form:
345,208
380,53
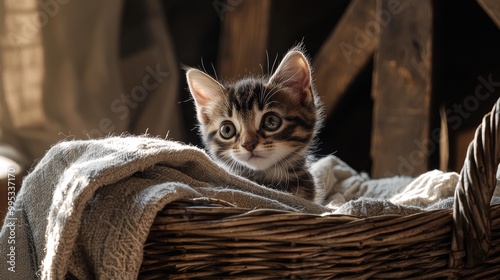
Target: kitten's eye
227,130
271,122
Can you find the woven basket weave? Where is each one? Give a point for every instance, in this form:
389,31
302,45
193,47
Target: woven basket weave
210,239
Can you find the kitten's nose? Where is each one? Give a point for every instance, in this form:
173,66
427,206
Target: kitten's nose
250,145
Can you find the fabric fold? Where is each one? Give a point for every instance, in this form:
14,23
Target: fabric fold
87,206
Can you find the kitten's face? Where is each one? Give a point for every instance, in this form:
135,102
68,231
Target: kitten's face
257,126
257,123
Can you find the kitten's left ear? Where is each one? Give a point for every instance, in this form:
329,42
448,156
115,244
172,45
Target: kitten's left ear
294,72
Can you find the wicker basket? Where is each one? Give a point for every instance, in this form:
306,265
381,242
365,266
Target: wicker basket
212,239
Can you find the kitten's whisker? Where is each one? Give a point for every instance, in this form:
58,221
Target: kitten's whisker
290,77
274,62
271,93
261,69
294,157
267,60
215,72
269,103
281,176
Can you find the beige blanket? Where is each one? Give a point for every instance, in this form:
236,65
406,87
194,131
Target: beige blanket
87,207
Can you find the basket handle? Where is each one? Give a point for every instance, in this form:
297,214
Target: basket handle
478,178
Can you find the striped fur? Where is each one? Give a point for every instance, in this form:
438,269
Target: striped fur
262,128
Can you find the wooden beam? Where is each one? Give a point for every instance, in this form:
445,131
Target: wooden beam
492,8
402,92
244,31
346,51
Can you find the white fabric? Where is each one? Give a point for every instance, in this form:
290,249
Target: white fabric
351,193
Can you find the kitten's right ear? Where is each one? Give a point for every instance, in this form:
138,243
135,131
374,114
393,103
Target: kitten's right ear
204,90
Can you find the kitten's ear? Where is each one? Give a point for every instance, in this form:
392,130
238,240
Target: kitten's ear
204,90
294,72
203,87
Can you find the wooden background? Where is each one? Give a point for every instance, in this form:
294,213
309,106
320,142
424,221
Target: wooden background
398,77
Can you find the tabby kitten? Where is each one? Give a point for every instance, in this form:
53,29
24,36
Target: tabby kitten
262,128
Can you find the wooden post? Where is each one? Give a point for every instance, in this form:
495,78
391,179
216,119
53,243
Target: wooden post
401,91
492,8
346,51
244,33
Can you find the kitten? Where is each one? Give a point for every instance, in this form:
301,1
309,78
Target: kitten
262,128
